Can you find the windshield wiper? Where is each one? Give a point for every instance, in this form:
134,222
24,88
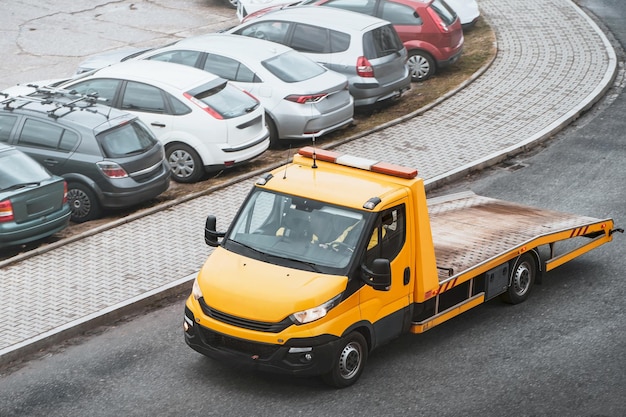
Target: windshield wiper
262,254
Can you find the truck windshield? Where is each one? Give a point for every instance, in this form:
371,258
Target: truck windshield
292,228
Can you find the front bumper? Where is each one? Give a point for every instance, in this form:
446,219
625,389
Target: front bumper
302,357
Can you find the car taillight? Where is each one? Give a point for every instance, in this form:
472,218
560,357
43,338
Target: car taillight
112,169
364,68
307,98
64,192
443,26
203,106
6,211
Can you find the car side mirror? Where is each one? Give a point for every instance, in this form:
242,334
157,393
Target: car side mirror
379,276
211,237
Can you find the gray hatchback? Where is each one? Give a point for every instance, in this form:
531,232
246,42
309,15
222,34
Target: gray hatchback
108,157
364,48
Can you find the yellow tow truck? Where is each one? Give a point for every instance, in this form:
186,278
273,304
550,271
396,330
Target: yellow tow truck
332,256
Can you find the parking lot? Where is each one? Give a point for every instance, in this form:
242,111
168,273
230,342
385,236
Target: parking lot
49,40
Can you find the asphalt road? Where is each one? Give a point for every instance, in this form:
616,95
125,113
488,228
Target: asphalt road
561,353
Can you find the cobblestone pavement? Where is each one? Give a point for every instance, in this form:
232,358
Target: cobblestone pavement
552,63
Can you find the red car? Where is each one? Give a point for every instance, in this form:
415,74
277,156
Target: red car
430,29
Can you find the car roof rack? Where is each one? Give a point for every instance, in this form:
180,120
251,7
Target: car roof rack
51,95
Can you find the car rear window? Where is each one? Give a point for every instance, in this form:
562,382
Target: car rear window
445,12
227,100
126,139
293,67
18,168
381,42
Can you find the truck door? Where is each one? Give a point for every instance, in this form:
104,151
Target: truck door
388,310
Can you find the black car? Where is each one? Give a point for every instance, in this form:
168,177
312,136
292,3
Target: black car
33,203
108,157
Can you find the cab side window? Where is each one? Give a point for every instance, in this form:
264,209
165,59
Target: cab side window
143,97
388,236
105,89
274,31
40,135
183,57
6,126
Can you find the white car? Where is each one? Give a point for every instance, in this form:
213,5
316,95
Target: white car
205,123
467,10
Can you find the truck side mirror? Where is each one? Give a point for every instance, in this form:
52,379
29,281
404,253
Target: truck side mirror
210,235
379,277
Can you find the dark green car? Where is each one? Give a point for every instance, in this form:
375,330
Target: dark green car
33,203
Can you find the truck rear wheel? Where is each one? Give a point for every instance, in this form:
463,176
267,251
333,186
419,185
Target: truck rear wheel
522,279
349,363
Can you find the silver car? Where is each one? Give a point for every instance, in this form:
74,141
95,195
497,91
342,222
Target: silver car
366,49
302,99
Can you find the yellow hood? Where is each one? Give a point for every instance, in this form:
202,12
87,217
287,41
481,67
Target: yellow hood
256,290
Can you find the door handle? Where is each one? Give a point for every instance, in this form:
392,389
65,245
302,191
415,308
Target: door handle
157,124
51,162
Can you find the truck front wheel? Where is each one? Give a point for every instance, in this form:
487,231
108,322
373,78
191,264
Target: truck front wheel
522,279
349,362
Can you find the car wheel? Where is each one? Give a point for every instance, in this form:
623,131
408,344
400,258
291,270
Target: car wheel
349,361
184,162
421,65
271,127
232,3
83,203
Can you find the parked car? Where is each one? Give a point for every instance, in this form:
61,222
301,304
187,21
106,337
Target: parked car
364,48
107,58
430,30
108,158
33,203
205,123
301,98
467,10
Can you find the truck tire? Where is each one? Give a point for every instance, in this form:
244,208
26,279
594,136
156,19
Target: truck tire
349,362
522,279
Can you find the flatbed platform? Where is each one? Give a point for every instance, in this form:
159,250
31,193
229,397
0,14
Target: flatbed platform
470,230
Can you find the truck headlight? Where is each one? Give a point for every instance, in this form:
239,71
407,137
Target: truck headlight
195,290
315,313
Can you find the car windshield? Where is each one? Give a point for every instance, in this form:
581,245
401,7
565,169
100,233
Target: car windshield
293,67
291,230
18,169
126,139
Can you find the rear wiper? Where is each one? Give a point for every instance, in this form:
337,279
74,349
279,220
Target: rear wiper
22,185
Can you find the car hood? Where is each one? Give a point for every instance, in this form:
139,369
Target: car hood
260,291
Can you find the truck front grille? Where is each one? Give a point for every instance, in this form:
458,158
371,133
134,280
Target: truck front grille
222,342
244,323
